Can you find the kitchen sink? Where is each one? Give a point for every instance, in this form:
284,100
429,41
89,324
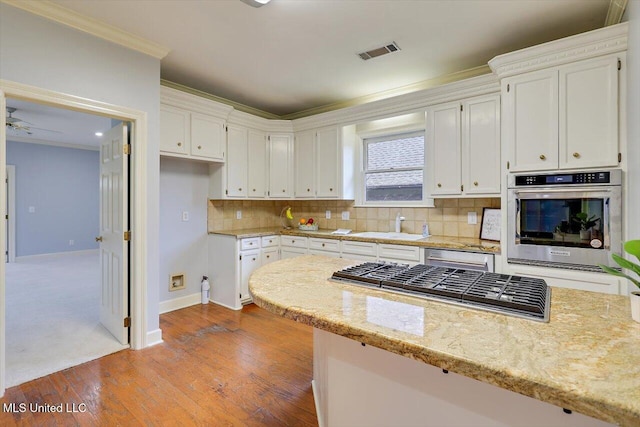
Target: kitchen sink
388,235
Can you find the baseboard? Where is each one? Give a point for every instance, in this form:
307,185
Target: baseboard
227,306
83,251
180,302
154,337
316,400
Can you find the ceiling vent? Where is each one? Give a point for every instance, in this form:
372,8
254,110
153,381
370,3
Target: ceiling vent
373,53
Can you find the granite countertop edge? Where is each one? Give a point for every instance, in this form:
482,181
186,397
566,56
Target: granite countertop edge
442,242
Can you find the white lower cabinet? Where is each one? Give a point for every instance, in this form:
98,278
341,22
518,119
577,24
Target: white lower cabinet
231,263
326,247
401,254
293,246
360,251
581,280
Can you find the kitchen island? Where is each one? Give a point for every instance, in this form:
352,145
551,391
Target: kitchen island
380,354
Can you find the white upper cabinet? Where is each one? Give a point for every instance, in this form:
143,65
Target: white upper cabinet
589,114
192,127
280,147
563,118
257,164
463,147
305,147
531,120
237,165
318,164
207,137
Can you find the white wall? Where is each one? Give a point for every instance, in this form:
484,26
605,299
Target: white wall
42,53
183,244
633,112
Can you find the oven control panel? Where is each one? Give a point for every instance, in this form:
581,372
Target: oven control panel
564,179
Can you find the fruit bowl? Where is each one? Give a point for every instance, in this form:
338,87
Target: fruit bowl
308,227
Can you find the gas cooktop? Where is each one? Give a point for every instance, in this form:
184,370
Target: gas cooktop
518,296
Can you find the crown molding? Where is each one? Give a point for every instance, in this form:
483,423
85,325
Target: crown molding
236,105
267,125
49,10
178,98
594,43
615,12
403,90
27,140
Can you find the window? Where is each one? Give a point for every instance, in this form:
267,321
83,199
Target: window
394,167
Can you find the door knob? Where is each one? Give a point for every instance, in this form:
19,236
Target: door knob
99,239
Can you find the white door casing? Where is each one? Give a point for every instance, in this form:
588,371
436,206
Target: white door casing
114,222
10,236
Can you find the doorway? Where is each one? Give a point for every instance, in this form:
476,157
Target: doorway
138,225
54,293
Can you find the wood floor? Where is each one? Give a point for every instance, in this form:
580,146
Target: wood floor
216,367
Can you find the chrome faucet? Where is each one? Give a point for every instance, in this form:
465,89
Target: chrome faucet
399,220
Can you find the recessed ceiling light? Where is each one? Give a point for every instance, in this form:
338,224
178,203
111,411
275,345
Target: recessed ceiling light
98,133
255,3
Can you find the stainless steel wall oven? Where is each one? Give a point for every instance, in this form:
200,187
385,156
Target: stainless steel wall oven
567,219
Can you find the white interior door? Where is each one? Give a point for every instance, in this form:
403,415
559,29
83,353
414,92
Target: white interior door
114,222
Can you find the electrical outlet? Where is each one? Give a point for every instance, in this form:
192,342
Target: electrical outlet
327,214
472,218
238,214
32,209
72,242
185,216
345,215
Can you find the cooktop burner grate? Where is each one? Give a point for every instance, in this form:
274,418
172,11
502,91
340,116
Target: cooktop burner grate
516,295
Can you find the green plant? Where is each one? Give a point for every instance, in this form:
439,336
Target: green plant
631,247
585,222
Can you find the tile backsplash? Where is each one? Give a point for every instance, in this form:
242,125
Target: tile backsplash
447,218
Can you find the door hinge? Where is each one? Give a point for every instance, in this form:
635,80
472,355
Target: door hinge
460,107
240,257
6,217
462,188
226,192
619,65
127,322
127,149
619,157
508,165
226,128
269,138
508,87
127,236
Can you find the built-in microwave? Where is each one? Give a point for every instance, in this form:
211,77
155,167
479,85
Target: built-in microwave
566,220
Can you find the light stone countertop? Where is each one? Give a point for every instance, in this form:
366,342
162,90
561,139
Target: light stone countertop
587,358
442,242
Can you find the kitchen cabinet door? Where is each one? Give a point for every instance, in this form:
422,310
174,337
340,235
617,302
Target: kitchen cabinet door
174,130
207,137
249,262
328,163
288,252
443,148
531,120
280,166
481,145
237,152
257,164
304,149
588,116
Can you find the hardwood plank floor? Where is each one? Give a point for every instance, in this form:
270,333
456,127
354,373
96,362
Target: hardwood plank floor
216,367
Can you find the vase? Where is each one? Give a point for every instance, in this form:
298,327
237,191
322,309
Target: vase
585,234
635,306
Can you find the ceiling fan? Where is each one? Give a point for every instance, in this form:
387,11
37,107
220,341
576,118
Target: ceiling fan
19,125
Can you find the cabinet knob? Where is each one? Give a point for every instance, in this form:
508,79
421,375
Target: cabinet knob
439,185
254,189
284,191
308,189
331,189
268,256
270,241
293,241
323,245
179,144
543,157
199,147
576,155
475,183
253,259
239,189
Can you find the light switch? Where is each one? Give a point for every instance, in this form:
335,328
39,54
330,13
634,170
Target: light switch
345,215
238,214
185,216
472,218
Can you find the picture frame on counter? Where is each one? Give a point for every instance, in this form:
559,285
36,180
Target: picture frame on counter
491,224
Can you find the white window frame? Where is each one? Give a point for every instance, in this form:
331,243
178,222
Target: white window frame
361,182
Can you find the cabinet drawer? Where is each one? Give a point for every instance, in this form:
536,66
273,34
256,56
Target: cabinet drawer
270,255
359,248
324,244
295,242
252,243
270,241
400,252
